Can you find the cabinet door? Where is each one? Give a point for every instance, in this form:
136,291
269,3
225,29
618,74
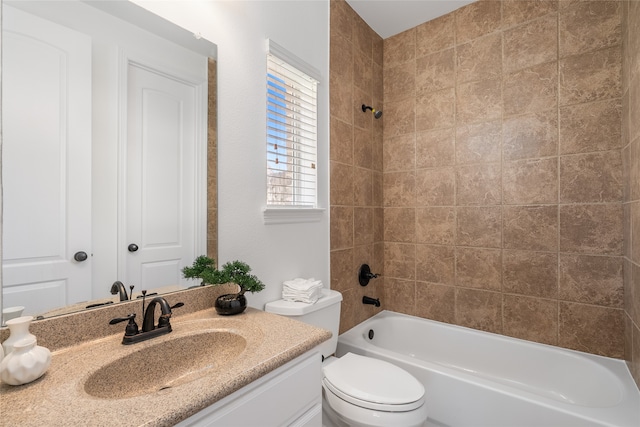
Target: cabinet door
46,162
162,126
289,396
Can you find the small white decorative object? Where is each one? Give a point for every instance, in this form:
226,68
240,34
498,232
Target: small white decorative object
9,313
27,362
19,329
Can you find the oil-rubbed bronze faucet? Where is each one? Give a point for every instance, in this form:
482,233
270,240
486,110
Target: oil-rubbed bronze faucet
118,287
163,321
149,330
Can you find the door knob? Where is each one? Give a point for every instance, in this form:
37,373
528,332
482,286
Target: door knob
80,256
132,247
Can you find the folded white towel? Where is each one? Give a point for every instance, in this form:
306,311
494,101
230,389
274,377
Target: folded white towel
302,284
302,290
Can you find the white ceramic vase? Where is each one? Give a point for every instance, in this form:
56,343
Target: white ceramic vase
27,362
19,329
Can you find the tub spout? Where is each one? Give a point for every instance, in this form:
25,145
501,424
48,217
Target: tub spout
372,301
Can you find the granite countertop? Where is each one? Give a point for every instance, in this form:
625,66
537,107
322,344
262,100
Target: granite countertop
60,398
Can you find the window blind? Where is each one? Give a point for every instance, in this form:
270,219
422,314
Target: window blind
291,135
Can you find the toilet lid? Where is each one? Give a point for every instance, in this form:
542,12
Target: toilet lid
373,383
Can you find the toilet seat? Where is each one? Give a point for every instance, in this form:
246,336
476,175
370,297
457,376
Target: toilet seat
373,384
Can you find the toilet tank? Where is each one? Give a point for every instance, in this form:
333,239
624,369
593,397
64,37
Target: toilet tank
325,313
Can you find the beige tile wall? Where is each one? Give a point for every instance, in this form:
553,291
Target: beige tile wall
356,161
631,188
502,171
494,196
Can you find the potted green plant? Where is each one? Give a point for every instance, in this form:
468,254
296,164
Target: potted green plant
237,272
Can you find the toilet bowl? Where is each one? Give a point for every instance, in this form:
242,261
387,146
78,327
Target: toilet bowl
363,391
357,391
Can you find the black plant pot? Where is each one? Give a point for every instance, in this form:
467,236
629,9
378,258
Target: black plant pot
229,304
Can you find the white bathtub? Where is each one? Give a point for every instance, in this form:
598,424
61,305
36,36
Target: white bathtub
474,378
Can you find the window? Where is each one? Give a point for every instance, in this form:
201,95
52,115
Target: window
291,132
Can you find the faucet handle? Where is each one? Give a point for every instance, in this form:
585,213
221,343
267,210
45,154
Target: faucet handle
132,326
163,320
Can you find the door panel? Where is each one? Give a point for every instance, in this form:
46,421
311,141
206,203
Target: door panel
46,162
160,174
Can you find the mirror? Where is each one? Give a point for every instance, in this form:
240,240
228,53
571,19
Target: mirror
127,46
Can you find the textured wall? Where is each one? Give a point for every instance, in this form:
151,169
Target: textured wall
356,161
502,170
631,167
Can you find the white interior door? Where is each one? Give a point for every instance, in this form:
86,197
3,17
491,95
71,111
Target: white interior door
162,126
46,123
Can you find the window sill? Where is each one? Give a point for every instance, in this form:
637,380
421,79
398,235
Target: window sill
292,215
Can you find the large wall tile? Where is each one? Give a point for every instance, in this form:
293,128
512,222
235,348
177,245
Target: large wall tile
341,184
435,264
478,185
587,26
479,268
363,226
435,148
479,142
591,279
520,313
341,142
479,226
435,187
341,269
362,187
591,76
400,48
591,127
435,72
591,178
530,136
530,182
591,329
435,35
399,225
517,11
531,44
362,148
399,295
399,117
436,225
341,227
530,227
479,59
435,110
479,309
531,90
530,273
477,19
400,260
400,81
399,153
479,101
436,302
399,189
592,229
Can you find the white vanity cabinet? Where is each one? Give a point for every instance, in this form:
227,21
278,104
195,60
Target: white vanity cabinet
291,395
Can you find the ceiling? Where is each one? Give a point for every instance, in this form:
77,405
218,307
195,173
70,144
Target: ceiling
390,17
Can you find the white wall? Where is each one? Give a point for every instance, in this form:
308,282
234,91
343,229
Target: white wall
240,29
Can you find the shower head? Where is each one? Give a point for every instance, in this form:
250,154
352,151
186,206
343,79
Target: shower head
376,113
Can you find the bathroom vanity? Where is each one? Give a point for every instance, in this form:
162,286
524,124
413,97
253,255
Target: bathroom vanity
255,368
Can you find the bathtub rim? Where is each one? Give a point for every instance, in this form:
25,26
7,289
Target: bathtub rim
620,414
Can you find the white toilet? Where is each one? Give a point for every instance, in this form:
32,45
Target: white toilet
358,391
